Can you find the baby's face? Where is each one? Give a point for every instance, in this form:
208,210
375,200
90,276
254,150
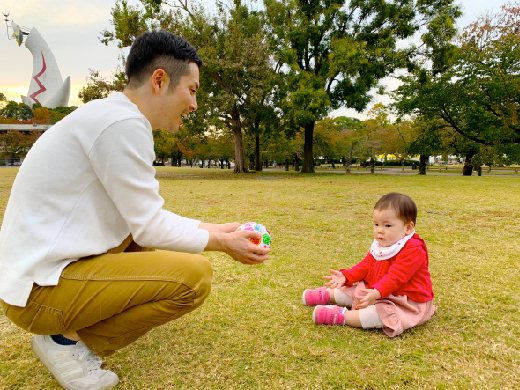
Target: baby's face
388,228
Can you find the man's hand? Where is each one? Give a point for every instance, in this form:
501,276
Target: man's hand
219,227
336,280
372,296
238,246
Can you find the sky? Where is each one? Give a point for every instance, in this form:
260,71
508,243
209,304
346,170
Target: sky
72,29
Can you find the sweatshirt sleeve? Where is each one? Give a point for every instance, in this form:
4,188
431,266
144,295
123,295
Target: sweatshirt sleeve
408,261
358,272
122,157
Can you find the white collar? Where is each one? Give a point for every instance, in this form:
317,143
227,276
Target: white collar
384,253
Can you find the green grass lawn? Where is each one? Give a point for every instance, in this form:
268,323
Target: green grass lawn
253,332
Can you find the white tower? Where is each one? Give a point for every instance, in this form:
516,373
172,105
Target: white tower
47,86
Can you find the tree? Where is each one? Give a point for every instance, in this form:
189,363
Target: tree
100,87
163,144
477,96
454,143
426,141
16,144
41,115
237,62
3,100
327,138
222,147
373,133
58,113
265,122
397,139
187,145
16,111
350,139
286,148
336,53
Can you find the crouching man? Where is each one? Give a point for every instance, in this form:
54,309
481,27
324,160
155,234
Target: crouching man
78,261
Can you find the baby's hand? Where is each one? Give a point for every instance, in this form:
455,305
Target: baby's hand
336,280
372,296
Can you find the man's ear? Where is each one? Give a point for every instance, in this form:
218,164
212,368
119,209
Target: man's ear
409,227
160,80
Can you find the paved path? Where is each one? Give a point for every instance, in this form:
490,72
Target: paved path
397,171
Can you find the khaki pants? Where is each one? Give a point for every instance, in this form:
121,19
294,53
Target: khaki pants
112,299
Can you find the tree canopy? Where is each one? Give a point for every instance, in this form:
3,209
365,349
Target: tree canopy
477,96
237,76
336,52
16,111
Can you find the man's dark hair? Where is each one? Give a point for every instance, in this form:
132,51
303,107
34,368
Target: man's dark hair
159,50
403,205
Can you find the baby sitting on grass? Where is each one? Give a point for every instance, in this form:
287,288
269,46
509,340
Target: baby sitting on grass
391,287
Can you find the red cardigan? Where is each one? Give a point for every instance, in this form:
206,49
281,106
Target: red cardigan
404,274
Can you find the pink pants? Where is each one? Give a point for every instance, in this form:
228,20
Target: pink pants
396,313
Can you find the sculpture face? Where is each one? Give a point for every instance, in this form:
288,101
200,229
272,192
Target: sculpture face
17,33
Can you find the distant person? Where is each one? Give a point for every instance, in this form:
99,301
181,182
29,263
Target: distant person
77,265
394,289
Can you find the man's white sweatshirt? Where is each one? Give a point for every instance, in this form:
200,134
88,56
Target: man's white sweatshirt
86,184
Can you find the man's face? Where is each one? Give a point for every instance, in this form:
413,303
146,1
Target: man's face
182,100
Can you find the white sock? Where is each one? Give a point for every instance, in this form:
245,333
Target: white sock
341,298
369,317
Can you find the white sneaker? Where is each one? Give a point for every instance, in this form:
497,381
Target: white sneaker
75,366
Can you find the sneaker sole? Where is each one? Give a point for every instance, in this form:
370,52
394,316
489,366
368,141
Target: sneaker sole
43,358
41,355
303,297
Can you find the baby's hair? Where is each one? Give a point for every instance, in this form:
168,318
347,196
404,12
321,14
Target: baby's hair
403,205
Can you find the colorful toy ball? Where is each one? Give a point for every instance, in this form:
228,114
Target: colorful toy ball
265,241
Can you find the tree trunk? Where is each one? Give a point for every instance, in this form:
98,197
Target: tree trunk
258,162
296,163
177,158
221,163
467,169
422,163
308,158
228,164
287,164
372,165
333,166
240,158
349,160
251,162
